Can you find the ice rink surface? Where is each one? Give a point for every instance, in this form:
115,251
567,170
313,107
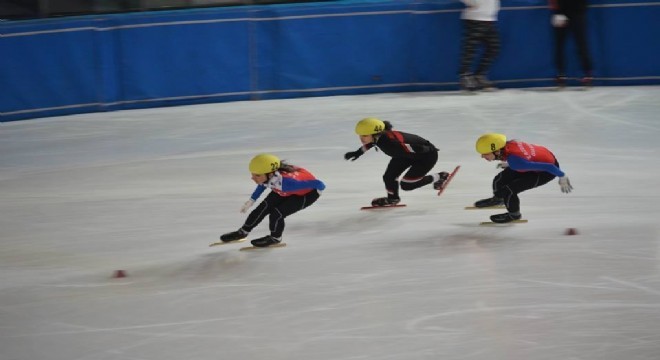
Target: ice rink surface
146,191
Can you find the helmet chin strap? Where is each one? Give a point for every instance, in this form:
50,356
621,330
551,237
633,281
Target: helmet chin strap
498,155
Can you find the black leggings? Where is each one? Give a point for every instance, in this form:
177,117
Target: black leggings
278,207
476,33
509,183
415,177
577,24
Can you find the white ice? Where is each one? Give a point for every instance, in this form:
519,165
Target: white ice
146,191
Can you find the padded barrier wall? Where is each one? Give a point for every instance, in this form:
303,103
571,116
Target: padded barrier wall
108,62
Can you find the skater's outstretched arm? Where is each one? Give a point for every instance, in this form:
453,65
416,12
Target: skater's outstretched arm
290,184
353,155
519,164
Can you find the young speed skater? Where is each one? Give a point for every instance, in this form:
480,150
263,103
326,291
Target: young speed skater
408,151
526,166
293,189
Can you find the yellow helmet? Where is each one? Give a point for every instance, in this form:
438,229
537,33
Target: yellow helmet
369,126
264,164
490,142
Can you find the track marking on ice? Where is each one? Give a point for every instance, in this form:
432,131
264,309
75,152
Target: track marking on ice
417,324
631,284
86,330
577,105
86,285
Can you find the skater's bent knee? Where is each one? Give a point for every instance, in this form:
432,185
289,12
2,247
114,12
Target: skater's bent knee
408,186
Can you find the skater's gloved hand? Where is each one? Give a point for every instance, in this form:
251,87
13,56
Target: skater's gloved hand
502,165
248,204
559,20
353,155
565,184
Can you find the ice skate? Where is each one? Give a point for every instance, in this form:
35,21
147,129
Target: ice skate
494,201
483,83
442,181
560,81
505,218
265,241
385,201
468,83
234,235
587,81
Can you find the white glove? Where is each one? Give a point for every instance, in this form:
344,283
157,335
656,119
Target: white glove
559,20
502,165
248,204
565,184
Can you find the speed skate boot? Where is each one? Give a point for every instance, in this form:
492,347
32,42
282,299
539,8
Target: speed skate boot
234,235
494,201
265,241
442,179
385,201
505,218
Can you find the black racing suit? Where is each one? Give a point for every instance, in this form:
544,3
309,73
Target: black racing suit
408,151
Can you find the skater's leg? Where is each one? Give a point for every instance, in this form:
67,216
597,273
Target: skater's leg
395,168
416,176
503,178
519,182
261,211
500,181
290,205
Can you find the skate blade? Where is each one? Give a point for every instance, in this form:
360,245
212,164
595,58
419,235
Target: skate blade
449,179
521,221
382,207
484,208
220,243
250,248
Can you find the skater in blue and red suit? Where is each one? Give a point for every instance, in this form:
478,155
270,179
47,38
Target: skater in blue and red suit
408,151
526,166
293,189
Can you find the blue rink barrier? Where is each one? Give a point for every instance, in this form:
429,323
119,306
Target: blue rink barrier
127,61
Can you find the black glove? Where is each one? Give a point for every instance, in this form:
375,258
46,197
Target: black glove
353,155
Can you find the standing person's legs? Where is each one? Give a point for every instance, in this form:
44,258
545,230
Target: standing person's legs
491,40
560,41
416,176
578,24
469,44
